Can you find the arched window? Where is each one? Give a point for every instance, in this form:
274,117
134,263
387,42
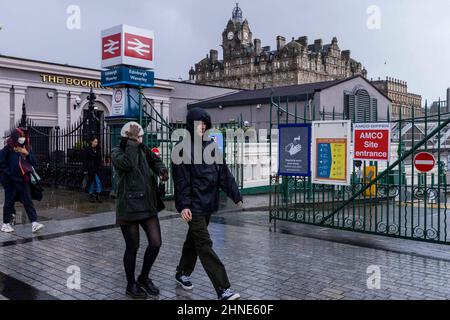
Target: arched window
360,107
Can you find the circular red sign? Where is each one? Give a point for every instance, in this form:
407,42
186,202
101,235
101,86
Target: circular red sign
155,151
424,161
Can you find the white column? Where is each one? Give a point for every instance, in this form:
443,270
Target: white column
62,108
165,110
19,97
5,107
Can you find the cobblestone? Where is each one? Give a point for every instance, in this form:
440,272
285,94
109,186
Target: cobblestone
260,264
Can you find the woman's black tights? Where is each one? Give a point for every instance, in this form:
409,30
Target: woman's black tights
131,235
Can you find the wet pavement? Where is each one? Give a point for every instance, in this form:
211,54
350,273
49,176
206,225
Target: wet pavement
295,262
61,204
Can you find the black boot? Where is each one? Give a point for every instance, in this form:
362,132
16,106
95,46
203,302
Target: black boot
135,292
148,286
97,197
91,197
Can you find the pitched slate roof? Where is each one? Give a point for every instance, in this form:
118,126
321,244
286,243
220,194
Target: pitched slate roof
299,92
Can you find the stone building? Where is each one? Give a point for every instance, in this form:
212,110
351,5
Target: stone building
402,101
56,94
247,64
443,105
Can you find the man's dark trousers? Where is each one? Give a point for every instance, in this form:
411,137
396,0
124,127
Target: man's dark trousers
198,244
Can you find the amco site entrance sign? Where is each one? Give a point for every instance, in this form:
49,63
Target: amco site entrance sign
372,141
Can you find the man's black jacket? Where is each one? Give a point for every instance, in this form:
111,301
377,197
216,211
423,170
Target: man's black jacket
197,186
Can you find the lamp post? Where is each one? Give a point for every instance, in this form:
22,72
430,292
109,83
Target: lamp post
23,119
91,117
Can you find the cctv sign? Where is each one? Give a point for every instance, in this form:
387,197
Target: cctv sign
372,141
126,45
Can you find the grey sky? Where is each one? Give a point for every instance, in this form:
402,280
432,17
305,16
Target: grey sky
413,43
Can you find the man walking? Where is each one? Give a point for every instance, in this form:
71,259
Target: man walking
196,198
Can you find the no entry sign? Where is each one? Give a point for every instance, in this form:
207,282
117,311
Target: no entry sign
372,141
424,161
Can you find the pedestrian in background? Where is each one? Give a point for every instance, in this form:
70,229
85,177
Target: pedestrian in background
92,167
16,166
138,204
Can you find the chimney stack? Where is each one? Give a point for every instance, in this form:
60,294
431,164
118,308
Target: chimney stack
214,54
257,44
318,45
346,54
281,41
303,41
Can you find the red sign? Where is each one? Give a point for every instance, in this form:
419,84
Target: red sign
111,46
424,161
156,151
125,45
371,141
138,47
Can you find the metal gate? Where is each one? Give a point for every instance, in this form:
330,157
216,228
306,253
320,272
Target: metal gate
59,152
399,202
158,134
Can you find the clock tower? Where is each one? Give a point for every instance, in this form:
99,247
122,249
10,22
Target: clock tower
236,36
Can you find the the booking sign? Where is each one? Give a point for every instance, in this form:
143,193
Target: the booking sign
372,141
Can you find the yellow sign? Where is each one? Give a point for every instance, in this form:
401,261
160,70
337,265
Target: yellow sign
69,81
332,159
339,152
370,174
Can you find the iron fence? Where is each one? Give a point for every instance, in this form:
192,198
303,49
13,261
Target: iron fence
397,201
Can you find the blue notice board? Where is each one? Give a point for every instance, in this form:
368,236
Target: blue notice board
294,150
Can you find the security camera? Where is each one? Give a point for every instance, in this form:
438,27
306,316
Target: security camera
258,106
77,100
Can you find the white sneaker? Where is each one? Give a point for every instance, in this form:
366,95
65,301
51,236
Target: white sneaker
228,294
6,227
36,227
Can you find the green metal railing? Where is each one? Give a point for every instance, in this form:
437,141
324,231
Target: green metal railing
397,202
158,133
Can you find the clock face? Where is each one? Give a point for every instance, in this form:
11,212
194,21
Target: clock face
230,35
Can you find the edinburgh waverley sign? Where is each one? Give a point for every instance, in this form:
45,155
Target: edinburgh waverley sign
122,75
127,54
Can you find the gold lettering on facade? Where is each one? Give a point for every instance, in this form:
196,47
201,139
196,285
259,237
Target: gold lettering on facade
69,81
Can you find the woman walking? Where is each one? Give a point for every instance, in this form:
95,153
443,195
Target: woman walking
92,166
138,204
16,160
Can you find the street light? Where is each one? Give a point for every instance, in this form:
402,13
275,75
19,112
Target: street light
91,128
